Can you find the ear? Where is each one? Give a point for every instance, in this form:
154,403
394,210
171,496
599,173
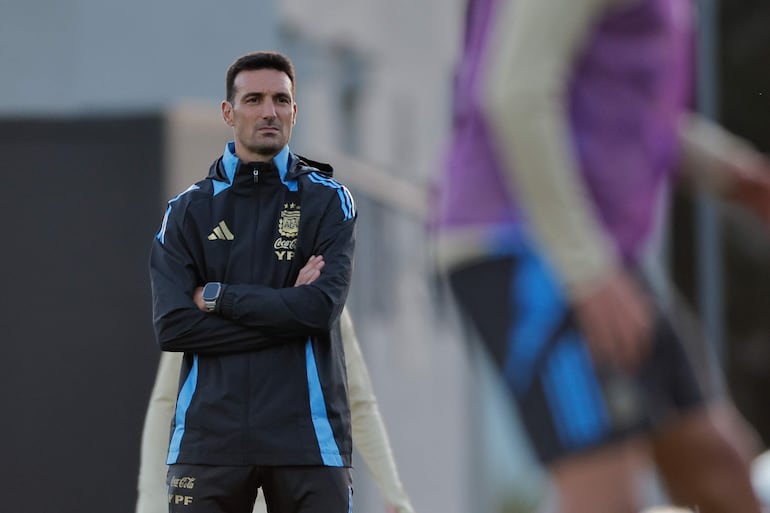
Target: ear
294,115
227,112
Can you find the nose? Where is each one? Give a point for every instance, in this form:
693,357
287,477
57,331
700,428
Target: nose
268,110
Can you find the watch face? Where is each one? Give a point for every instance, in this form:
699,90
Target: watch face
211,291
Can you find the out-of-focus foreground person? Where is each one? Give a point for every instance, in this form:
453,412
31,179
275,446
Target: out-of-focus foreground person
250,271
370,437
570,128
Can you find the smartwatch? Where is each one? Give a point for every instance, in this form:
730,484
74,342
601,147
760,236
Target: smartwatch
211,292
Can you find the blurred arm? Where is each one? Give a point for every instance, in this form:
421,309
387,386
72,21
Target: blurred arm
724,164
152,497
369,435
525,100
535,46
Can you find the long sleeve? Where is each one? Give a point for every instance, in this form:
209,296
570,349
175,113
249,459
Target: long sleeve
707,150
534,48
179,324
152,497
370,437
307,308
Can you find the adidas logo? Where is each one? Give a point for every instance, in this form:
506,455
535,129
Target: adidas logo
221,232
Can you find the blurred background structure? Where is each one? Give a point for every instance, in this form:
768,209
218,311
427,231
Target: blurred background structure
109,108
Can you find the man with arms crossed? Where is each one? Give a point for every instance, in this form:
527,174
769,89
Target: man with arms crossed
262,398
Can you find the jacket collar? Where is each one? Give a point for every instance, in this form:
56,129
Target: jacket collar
289,165
230,161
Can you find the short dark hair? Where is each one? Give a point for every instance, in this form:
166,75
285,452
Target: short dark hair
257,60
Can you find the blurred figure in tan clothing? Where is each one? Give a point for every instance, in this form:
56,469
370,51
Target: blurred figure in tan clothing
570,129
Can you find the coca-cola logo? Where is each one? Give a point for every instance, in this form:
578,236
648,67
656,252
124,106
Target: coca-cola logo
286,244
183,482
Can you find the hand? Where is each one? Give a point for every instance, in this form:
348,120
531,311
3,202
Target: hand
749,184
198,298
401,508
616,320
311,271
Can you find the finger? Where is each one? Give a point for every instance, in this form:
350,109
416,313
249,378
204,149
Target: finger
310,264
311,271
317,260
311,277
599,339
303,276
636,337
606,342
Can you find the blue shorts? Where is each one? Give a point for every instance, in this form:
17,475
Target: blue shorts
566,403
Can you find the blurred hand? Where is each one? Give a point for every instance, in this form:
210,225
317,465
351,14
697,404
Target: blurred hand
311,270
616,320
404,508
749,184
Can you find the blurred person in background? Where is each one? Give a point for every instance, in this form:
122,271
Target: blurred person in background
570,127
370,437
250,271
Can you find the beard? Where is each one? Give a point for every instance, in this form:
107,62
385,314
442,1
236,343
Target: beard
269,144
266,147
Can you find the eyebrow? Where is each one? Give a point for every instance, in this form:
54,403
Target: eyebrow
260,94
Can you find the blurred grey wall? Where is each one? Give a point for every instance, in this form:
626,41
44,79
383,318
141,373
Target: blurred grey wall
79,200
92,55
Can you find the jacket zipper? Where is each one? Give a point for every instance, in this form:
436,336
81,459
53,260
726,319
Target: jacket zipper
256,175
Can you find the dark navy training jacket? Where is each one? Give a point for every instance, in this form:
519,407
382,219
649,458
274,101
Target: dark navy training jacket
263,380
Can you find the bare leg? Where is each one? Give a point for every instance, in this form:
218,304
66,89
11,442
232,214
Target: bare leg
602,481
703,459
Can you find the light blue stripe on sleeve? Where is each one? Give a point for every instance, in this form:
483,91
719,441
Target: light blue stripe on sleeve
346,199
161,235
330,453
186,394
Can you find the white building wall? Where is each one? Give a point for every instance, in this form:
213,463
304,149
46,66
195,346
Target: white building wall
408,48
